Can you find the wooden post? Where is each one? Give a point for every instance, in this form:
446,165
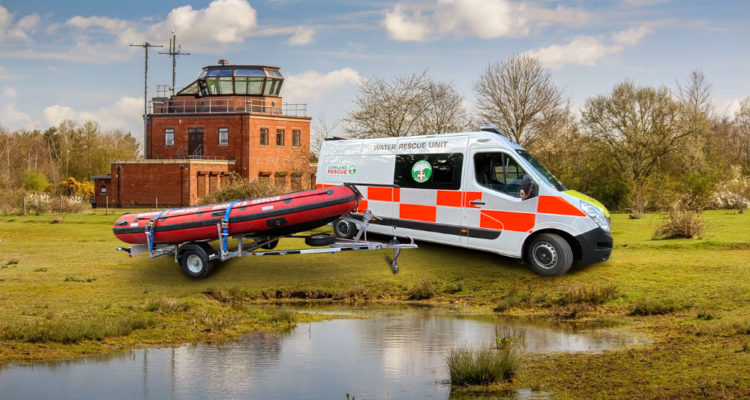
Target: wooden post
106,206
24,204
61,204
157,202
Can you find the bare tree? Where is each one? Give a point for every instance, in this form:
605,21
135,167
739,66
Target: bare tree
517,96
406,106
386,109
445,111
741,134
637,126
321,130
695,93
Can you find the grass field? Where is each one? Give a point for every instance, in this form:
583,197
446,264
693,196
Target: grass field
65,292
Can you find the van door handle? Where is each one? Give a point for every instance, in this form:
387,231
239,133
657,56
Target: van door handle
476,203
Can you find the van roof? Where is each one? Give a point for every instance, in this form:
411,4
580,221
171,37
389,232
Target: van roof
473,134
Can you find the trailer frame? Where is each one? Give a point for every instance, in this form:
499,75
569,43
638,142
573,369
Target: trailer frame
249,245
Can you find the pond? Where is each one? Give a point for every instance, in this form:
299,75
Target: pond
396,353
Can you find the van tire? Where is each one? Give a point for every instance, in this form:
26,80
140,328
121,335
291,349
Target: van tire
194,261
344,229
549,254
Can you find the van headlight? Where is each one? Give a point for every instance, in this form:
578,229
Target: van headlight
596,214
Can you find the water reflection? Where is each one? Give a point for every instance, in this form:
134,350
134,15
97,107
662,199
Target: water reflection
396,354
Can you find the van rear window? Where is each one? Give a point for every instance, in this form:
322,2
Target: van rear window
429,171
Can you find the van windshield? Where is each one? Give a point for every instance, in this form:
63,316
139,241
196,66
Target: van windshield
542,171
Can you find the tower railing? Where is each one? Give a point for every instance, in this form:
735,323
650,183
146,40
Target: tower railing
227,105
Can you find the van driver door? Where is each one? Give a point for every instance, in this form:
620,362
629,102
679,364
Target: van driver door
496,217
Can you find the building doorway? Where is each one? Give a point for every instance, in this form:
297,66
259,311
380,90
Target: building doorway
195,143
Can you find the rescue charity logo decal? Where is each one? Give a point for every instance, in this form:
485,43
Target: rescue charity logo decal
421,171
341,170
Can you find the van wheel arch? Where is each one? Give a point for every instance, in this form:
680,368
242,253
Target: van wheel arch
572,242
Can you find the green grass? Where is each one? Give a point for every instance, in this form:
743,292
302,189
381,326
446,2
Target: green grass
58,280
483,365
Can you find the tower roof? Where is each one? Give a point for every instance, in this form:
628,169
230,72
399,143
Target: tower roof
235,80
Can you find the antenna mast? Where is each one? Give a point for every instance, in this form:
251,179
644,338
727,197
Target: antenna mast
174,51
145,45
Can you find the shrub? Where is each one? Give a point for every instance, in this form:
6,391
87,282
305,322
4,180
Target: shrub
71,187
72,330
35,181
43,203
484,365
422,290
734,192
680,223
593,295
239,189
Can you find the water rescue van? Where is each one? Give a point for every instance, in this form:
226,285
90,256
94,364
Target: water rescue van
478,190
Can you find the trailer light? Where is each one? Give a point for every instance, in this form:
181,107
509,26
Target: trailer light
596,214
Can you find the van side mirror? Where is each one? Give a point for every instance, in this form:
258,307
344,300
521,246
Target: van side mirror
529,188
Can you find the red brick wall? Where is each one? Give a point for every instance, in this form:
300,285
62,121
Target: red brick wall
243,145
272,159
101,198
144,183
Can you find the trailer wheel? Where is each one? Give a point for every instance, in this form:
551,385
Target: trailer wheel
320,239
194,262
344,229
549,254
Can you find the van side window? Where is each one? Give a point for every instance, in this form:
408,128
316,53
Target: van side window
499,172
429,171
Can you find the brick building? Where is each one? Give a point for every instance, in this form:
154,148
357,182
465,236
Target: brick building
229,120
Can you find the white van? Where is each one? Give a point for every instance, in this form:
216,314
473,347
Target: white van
477,190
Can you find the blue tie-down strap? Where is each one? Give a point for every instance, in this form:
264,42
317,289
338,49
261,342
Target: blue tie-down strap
225,226
150,229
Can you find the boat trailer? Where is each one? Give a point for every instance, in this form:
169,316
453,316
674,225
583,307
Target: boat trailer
196,257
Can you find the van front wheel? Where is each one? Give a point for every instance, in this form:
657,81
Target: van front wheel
549,254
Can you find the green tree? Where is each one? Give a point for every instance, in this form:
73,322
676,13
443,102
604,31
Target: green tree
35,181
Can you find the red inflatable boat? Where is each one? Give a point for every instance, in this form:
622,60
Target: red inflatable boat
274,216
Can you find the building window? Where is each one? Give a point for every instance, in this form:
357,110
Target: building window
264,136
279,137
296,138
103,190
169,137
223,136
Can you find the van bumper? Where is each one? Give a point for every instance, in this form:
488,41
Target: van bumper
596,246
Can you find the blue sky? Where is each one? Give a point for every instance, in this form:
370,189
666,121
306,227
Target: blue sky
70,59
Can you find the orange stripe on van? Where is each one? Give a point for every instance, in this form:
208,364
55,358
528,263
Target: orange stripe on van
362,205
508,221
379,193
397,195
471,196
418,212
557,205
449,198
323,186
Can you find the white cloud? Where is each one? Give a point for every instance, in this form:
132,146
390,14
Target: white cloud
302,36
588,50
486,19
631,36
9,93
727,107
12,117
313,84
124,114
402,27
19,30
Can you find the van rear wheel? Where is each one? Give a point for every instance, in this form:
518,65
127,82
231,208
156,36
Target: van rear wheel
344,229
549,254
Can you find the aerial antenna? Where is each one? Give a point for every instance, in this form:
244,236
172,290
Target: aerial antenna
175,50
145,45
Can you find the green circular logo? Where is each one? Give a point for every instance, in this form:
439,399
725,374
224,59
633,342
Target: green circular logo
352,170
421,171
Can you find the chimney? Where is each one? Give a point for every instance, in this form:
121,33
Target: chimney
223,61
